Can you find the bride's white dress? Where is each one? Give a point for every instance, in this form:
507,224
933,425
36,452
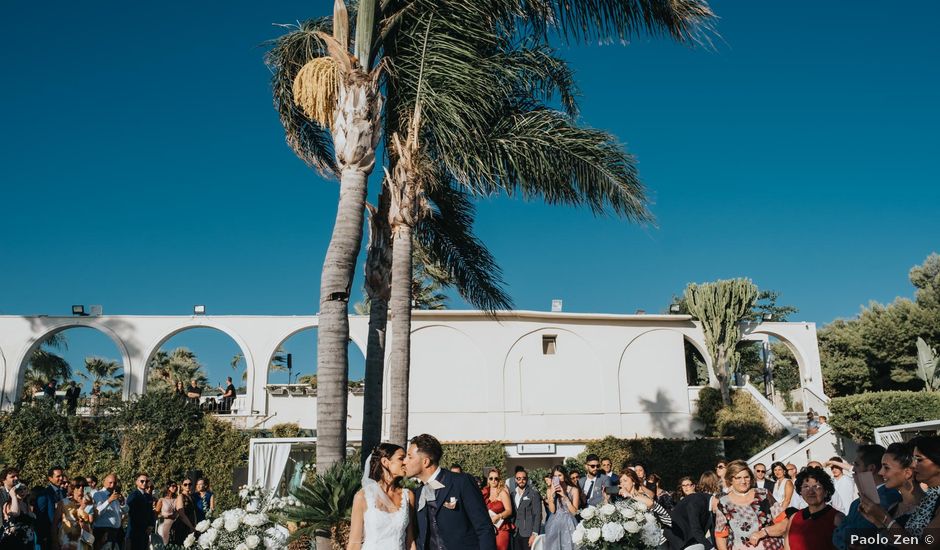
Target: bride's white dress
384,530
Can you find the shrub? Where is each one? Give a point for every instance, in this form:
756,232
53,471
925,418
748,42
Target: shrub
669,458
286,429
475,457
857,416
158,434
325,503
744,427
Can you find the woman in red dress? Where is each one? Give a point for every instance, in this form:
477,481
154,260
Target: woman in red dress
496,497
811,528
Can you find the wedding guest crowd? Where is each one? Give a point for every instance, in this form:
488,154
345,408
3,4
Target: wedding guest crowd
74,514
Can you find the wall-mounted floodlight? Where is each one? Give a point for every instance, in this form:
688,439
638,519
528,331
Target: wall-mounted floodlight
79,311
675,308
199,310
768,317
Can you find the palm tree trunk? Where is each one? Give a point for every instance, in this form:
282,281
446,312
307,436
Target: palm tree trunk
378,287
400,358
333,331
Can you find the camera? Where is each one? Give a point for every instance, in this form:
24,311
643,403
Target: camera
612,490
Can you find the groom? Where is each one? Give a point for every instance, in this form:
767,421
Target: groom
451,513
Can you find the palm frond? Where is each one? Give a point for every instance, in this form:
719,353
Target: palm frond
325,500
541,153
311,142
446,238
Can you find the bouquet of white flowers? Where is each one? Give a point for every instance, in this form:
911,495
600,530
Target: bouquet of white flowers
626,524
245,528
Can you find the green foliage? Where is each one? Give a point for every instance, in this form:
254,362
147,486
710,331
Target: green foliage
744,426
741,424
326,500
709,403
927,365
720,307
180,365
857,416
286,429
158,434
669,458
475,457
877,351
786,371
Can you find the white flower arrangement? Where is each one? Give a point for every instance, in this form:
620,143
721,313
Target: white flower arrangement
250,527
624,525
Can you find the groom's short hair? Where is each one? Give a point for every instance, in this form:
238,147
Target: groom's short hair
429,446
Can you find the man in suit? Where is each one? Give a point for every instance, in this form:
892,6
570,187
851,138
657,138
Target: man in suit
593,483
45,509
526,511
140,514
760,478
451,513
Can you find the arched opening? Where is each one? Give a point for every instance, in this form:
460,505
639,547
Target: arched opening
696,367
203,363
80,368
769,364
295,360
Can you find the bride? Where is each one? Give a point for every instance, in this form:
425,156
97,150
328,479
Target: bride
383,511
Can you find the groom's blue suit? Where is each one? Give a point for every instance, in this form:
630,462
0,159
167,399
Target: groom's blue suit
456,519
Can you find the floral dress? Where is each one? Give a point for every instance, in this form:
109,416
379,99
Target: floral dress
736,523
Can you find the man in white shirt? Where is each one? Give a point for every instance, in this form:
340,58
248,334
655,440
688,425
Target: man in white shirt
845,484
109,503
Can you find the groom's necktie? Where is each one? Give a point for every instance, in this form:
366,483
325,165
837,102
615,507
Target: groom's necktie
587,492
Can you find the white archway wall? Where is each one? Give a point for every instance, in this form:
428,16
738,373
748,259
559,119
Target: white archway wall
801,340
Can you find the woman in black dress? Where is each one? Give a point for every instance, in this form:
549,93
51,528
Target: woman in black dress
186,508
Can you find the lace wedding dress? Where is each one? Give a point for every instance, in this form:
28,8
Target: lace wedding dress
384,529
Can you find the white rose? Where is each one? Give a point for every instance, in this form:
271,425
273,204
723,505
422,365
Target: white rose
252,541
612,532
241,546
218,522
631,527
189,541
588,512
628,512
593,534
650,518
607,509
255,520
578,536
206,539
651,535
231,526
640,507
243,493
203,525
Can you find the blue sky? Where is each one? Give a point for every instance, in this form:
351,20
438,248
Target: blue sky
143,167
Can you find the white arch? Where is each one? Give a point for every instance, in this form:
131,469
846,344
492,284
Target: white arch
152,350
33,344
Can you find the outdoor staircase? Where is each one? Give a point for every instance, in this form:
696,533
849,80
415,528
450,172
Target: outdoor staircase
798,419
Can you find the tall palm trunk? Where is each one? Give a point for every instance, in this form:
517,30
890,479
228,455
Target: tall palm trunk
400,358
377,284
355,136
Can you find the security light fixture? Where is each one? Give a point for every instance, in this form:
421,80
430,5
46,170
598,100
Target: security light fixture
675,308
767,317
79,311
199,310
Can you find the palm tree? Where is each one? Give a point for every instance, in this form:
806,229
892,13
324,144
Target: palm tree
340,95
180,365
506,140
45,365
102,373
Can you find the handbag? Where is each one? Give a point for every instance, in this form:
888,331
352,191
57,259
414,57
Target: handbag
87,537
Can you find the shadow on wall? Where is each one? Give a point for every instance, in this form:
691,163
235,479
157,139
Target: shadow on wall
663,423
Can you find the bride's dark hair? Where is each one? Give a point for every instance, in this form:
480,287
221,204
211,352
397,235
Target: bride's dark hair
382,450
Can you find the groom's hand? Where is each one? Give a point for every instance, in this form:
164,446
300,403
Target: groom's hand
532,539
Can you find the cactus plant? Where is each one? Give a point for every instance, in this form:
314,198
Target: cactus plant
720,307
927,362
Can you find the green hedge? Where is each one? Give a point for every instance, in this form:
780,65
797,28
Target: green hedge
669,458
741,425
474,457
857,416
158,434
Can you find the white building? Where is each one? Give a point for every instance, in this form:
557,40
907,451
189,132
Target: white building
540,382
